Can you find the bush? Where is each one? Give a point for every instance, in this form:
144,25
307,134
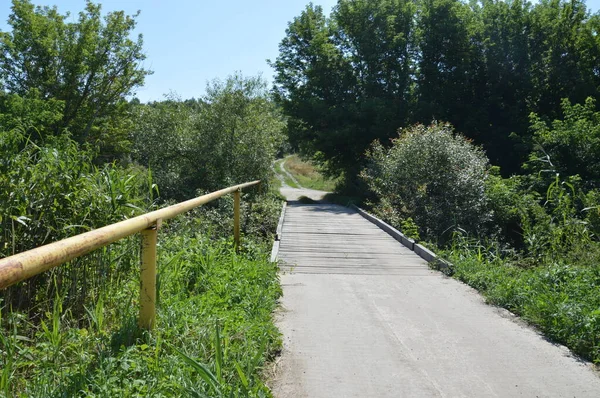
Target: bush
434,176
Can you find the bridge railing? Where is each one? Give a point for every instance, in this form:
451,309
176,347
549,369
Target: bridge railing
24,265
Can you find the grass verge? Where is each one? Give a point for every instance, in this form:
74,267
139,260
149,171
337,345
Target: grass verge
213,337
278,169
307,175
562,300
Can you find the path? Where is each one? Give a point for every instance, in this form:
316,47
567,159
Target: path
362,316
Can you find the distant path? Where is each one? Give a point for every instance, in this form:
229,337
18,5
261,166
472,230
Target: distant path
288,173
362,316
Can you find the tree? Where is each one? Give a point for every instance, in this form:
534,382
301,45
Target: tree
377,65
229,136
564,39
450,83
377,38
505,27
91,65
315,87
571,145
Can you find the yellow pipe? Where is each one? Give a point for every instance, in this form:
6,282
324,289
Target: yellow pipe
24,265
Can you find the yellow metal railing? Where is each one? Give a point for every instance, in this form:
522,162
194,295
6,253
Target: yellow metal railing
24,265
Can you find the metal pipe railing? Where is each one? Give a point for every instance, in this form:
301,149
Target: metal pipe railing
24,265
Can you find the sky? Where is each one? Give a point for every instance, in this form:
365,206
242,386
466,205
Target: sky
190,42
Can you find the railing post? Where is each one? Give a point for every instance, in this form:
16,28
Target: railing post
236,219
148,279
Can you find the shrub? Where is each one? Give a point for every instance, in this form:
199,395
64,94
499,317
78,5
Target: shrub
434,176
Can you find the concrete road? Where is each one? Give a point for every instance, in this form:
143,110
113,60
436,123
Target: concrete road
362,316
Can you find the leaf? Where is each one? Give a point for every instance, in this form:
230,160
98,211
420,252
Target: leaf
21,220
219,352
243,377
202,370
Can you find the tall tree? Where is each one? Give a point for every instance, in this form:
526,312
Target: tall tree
316,88
564,39
484,66
92,65
505,27
449,75
377,39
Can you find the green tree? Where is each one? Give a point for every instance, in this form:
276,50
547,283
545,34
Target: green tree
450,83
508,83
571,145
564,39
374,66
231,135
377,38
316,88
91,65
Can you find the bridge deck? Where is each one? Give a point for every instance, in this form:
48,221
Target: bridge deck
363,316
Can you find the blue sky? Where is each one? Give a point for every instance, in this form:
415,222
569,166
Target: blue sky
189,42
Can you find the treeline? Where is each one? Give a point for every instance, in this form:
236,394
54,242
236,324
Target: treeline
372,67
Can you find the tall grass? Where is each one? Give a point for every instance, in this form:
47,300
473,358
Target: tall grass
46,195
214,316
73,332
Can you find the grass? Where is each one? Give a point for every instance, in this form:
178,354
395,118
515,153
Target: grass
278,169
214,334
308,175
561,299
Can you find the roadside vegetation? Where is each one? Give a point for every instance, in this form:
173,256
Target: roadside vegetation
286,178
307,174
77,153
472,126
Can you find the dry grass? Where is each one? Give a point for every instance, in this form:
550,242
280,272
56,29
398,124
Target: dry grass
308,175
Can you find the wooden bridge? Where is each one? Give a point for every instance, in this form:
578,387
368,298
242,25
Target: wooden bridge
363,316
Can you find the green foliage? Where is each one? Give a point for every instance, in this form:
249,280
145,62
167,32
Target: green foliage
48,194
214,331
374,66
570,145
228,137
89,65
433,176
29,114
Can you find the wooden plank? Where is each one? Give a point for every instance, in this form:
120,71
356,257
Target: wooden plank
327,238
